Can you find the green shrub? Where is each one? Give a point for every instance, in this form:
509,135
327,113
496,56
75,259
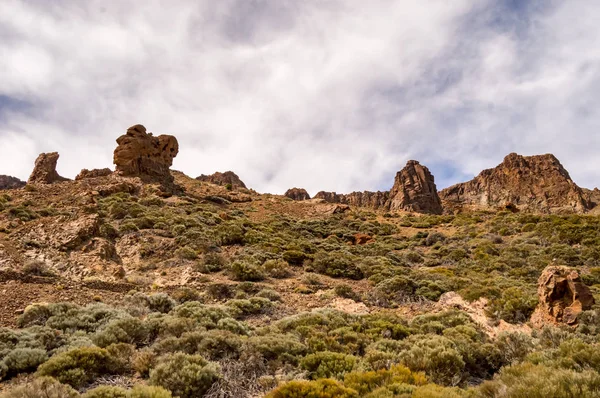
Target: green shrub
346,291
328,364
246,271
337,265
22,360
313,389
126,330
269,294
515,305
186,253
186,376
105,392
211,262
365,382
220,291
45,387
294,257
38,268
277,268
253,306
148,392
79,366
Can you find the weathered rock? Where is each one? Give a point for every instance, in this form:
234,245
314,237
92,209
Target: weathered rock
414,190
94,173
297,194
228,177
531,183
44,171
374,200
8,182
562,296
141,154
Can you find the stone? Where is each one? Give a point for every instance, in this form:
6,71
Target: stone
44,171
529,183
94,173
228,177
297,194
8,182
373,200
141,154
414,190
562,297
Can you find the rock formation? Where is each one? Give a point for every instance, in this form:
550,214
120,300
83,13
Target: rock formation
297,194
228,177
532,183
8,182
44,171
562,296
85,173
413,190
141,154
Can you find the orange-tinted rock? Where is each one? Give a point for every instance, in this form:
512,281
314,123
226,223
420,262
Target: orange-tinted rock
562,296
361,239
531,183
414,190
44,171
228,177
95,173
141,154
374,200
8,182
297,194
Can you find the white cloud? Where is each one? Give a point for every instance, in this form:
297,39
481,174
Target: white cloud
333,94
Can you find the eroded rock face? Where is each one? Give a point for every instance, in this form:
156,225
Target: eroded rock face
531,183
414,190
141,154
95,173
297,194
562,296
228,177
44,171
8,182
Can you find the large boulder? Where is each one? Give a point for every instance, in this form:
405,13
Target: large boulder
94,173
8,182
44,171
531,183
562,297
228,177
141,154
297,194
414,190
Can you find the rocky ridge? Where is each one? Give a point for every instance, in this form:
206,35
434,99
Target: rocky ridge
228,177
297,194
8,182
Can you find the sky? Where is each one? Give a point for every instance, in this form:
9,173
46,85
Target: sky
332,95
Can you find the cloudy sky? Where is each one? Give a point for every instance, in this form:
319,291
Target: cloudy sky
322,94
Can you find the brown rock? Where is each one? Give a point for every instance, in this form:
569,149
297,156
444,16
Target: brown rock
562,296
228,177
297,194
361,239
44,171
141,154
531,183
374,200
414,190
85,173
8,182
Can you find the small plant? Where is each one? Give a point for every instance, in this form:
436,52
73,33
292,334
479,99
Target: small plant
186,376
246,271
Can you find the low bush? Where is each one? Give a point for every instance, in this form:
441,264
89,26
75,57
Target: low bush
45,387
313,389
323,365
186,376
246,271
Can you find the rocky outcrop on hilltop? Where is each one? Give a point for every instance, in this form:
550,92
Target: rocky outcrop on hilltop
8,182
94,173
141,154
414,190
44,171
562,296
532,183
297,194
228,177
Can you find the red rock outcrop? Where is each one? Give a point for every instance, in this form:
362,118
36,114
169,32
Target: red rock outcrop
531,183
141,154
228,177
414,190
562,296
95,173
44,171
297,194
8,182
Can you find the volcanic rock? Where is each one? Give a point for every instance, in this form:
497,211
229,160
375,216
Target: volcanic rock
297,194
414,190
531,183
562,296
85,173
374,200
141,154
44,171
228,177
8,182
